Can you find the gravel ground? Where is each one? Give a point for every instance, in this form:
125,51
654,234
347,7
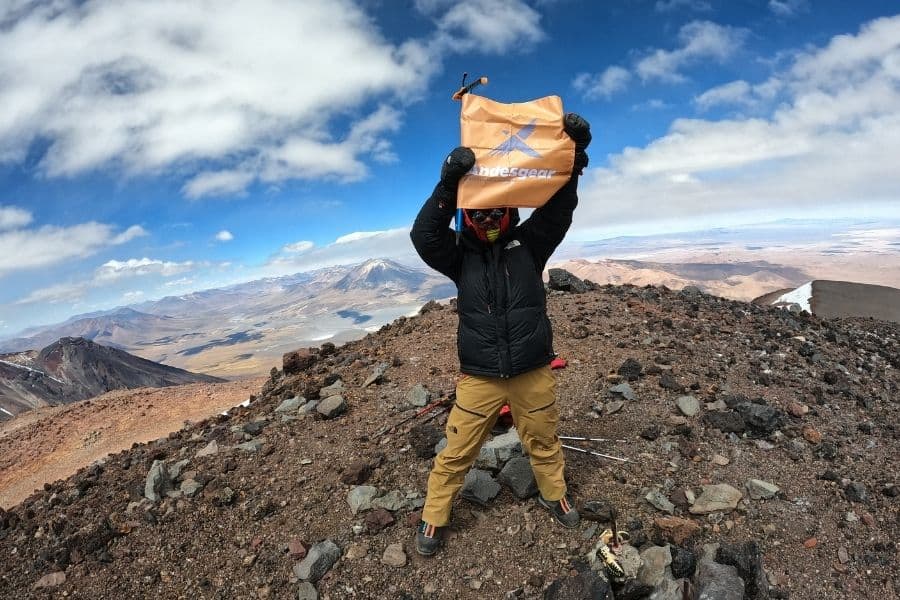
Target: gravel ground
831,447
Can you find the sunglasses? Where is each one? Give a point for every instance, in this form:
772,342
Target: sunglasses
480,216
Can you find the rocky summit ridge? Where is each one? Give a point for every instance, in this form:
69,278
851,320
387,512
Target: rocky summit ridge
762,448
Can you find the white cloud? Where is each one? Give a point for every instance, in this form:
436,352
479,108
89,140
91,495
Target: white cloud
129,297
736,92
832,140
298,247
613,79
671,5
26,249
347,249
12,217
700,40
224,236
241,91
56,294
184,281
139,267
490,25
788,8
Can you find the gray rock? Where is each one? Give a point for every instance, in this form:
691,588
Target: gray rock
518,476
479,487
251,446
688,405
562,280
318,561
176,469
332,407
624,390
291,404
440,446
394,556
360,498
208,450
377,375
307,591
668,588
761,419
718,582
659,501
158,481
856,492
655,560
391,501
726,422
759,489
335,389
418,395
587,585
496,451
715,498
308,408
628,556
747,559
613,407
189,487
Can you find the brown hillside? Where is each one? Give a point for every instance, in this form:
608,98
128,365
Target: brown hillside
816,401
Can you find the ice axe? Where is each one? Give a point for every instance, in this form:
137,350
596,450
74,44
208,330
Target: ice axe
457,95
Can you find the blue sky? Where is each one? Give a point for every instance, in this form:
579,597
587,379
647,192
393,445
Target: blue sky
151,149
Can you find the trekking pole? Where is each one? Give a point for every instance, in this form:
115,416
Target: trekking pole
588,439
429,408
591,452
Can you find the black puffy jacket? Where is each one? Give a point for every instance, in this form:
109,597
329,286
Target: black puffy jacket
503,325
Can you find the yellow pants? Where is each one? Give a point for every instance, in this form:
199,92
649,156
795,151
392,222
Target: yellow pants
531,398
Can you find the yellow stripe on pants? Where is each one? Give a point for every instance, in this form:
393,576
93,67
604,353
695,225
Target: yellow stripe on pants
531,398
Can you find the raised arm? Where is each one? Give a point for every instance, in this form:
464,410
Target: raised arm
543,231
431,234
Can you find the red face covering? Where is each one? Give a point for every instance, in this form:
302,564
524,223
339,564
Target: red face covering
488,224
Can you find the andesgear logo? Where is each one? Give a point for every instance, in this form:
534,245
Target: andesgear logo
514,143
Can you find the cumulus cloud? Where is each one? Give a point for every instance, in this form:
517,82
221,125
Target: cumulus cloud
298,247
138,267
604,85
224,236
700,40
56,294
36,248
347,249
736,92
12,217
833,138
235,92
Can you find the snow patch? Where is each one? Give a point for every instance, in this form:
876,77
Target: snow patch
800,296
244,404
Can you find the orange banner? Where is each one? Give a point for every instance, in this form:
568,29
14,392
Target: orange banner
522,154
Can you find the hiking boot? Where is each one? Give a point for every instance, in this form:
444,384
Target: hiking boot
562,510
428,539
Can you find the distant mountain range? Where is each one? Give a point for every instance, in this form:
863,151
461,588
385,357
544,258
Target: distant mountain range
73,369
244,329
831,299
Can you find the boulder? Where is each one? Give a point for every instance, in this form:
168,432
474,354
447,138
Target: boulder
158,481
297,361
318,561
587,585
291,404
479,487
360,498
332,407
718,582
654,561
518,476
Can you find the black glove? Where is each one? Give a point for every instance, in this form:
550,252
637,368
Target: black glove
458,163
580,131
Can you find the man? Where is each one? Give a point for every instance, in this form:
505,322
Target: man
505,341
